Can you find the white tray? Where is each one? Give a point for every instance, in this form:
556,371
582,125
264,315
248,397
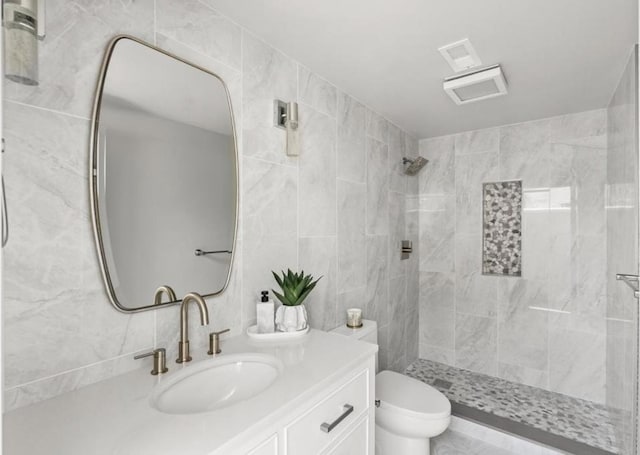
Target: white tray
252,332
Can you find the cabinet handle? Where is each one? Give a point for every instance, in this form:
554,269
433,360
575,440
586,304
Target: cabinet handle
327,427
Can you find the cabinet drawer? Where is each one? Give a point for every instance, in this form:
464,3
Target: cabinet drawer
306,435
268,447
356,442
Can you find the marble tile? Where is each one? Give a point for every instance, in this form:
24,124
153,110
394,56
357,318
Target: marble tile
587,128
317,174
412,148
480,141
351,120
377,126
267,229
383,348
525,153
436,354
475,293
56,313
471,172
575,364
437,234
317,256
412,335
545,253
397,302
524,375
397,233
355,298
351,236
438,176
267,189
397,150
70,56
476,347
522,326
273,253
316,92
437,310
351,117
377,302
377,187
396,355
200,27
267,75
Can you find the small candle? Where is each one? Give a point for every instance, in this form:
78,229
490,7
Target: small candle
354,317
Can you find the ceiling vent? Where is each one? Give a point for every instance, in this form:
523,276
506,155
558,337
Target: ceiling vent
477,85
460,55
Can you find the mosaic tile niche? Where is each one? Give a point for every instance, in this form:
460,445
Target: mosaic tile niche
502,228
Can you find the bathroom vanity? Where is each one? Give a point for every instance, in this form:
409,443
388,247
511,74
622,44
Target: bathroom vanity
320,402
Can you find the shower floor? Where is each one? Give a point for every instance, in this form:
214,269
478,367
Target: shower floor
570,424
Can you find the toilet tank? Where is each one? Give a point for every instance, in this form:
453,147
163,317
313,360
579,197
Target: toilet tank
368,332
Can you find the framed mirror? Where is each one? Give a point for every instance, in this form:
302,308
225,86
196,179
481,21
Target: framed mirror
164,178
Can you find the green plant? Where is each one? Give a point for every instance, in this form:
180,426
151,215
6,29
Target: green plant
295,287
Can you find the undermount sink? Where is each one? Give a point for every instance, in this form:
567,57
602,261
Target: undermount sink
216,384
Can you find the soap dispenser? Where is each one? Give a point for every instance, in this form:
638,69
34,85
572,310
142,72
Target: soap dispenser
265,314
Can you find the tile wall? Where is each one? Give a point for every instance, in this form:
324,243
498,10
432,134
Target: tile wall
546,328
339,210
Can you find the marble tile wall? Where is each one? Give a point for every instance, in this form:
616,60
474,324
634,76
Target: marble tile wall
622,250
347,202
546,328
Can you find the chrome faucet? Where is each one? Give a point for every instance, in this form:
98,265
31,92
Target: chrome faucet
157,296
183,346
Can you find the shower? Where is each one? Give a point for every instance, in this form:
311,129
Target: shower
414,165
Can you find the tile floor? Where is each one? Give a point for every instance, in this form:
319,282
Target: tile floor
578,420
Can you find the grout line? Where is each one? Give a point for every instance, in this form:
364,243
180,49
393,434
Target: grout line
53,111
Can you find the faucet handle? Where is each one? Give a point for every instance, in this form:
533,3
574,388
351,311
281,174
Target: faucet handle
214,342
159,360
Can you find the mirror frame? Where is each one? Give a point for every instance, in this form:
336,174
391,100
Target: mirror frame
93,177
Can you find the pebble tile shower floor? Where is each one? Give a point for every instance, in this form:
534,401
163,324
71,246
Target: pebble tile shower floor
576,420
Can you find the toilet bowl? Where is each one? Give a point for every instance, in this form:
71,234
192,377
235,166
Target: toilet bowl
409,413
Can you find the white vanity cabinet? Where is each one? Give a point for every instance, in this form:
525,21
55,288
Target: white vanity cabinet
322,402
338,420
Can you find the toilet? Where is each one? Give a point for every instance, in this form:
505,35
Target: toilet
410,412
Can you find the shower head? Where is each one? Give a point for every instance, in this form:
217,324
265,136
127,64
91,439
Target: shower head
414,165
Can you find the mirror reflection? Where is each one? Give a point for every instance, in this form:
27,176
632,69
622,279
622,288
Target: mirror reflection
164,189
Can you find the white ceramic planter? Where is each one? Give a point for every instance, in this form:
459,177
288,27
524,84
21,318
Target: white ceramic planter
291,318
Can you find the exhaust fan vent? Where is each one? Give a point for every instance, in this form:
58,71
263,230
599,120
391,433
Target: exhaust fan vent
460,55
476,86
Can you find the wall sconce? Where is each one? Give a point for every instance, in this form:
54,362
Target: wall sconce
286,117
24,23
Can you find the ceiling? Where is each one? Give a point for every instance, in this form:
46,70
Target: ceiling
559,56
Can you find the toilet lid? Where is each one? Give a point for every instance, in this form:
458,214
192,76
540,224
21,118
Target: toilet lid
411,396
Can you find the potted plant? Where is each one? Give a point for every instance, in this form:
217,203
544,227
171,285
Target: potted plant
292,315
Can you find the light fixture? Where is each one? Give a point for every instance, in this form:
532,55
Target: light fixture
477,85
286,117
23,22
460,55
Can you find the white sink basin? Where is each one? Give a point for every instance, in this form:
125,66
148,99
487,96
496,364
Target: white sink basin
216,383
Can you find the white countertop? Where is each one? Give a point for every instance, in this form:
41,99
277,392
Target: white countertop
114,416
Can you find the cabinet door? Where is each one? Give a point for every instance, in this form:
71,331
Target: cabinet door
268,447
356,441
